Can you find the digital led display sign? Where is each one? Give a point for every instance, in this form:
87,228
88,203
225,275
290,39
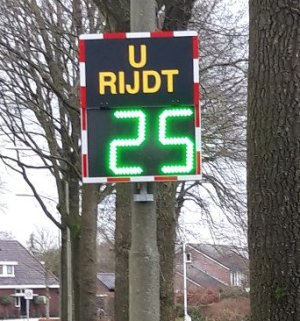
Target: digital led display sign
140,109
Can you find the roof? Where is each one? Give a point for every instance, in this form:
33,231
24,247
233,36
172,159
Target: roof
108,279
229,256
28,271
200,277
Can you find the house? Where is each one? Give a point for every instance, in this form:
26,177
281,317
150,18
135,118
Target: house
22,277
211,267
105,293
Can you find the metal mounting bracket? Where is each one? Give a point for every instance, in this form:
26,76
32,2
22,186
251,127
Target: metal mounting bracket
142,195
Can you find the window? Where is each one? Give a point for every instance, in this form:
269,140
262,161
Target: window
188,258
18,294
10,270
17,301
7,269
236,278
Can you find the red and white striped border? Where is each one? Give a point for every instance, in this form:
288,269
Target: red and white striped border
131,35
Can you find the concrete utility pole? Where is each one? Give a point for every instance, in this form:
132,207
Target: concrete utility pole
143,258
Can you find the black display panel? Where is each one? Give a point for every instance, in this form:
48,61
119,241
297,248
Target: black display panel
165,62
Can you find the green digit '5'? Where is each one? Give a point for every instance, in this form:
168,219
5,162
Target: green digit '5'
189,163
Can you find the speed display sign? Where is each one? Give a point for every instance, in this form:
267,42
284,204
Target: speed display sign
140,109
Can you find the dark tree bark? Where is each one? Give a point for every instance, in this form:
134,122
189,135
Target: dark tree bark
117,17
116,14
122,247
75,250
274,160
88,257
63,290
166,235
74,224
178,14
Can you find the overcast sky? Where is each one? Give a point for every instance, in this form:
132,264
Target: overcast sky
22,215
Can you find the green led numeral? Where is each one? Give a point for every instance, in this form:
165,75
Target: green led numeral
164,120
125,143
189,164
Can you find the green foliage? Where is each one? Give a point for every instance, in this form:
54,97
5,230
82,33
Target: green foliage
280,292
6,300
228,310
38,300
233,293
195,314
179,311
230,319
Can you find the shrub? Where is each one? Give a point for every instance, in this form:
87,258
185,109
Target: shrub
199,297
228,310
38,300
6,300
233,292
179,311
195,314
203,297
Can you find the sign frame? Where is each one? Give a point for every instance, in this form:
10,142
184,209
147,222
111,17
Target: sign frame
84,108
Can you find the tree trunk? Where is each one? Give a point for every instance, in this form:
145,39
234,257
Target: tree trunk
88,257
122,247
166,235
75,245
63,291
118,20
177,16
74,226
274,160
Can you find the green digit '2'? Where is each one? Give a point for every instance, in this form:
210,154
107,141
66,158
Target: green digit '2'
128,142
189,145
